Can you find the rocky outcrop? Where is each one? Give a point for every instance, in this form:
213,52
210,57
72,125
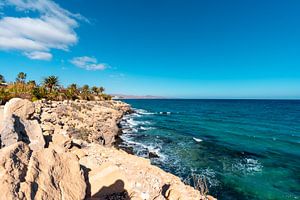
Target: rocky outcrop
92,121
43,174
17,124
13,166
78,161
112,169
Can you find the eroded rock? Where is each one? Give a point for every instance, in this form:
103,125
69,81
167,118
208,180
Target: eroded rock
70,167
109,167
13,168
53,175
92,121
43,174
16,125
22,108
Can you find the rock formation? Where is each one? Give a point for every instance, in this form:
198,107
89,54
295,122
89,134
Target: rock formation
78,161
18,125
92,121
42,174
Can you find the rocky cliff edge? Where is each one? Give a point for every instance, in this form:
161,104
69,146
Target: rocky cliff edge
64,150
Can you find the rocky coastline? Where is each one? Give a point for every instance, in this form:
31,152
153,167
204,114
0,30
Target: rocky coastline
66,150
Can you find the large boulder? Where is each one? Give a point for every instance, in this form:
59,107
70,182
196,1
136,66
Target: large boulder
14,161
17,125
8,133
43,174
19,107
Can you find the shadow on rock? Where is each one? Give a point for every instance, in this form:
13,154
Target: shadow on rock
116,191
20,129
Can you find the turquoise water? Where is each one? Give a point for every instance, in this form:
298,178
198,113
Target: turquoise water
247,149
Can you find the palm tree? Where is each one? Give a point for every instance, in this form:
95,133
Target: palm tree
101,89
95,90
73,87
2,79
51,82
85,89
21,77
72,91
32,82
85,92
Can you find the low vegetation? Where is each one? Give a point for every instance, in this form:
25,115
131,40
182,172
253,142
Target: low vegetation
49,88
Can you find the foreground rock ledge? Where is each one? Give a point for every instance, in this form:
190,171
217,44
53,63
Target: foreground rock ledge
68,166
43,174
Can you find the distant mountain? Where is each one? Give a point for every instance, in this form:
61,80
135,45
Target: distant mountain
124,96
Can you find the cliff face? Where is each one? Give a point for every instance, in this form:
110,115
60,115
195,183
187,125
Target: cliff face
69,155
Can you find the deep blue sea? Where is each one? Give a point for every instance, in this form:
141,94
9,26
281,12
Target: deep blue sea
247,149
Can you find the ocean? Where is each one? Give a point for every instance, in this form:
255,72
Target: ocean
246,149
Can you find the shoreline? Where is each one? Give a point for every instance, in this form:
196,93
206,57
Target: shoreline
60,123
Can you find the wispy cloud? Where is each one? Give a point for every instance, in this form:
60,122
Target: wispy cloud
39,55
88,63
52,28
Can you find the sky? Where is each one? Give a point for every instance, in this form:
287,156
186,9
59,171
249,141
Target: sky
170,48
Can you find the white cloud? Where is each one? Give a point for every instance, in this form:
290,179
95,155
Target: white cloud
88,63
39,55
53,28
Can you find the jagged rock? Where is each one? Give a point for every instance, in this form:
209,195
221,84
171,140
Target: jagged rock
13,167
58,177
141,180
8,133
14,130
93,121
43,174
55,172
153,155
62,141
17,125
21,108
34,133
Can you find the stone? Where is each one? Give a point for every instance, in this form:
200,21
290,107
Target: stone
79,152
14,161
47,127
209,197
153,155
17,125
93,121
107,167
8,133
172,194
62,141
105,180
34,134
43,174
55,176
21,108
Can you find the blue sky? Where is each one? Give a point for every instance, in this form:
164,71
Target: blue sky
181,48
